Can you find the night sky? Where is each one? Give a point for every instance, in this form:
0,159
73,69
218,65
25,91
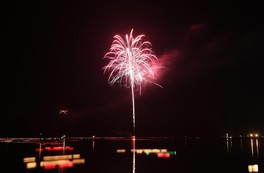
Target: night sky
52,58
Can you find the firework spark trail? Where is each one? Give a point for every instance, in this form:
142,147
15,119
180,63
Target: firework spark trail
130,63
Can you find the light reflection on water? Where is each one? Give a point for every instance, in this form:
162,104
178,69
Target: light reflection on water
251,145
134,154
228,144
242,155
55,157
254,146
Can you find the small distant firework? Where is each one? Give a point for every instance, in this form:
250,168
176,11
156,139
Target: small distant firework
63,111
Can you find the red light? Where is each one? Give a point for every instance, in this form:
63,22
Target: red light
163,155
69,148
39,149
50,166
59,148
48,143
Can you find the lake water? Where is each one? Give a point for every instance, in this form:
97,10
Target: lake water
142,155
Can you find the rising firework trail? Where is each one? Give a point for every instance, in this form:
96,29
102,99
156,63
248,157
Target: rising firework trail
130,63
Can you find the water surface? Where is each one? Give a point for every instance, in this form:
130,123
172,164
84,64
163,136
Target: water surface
140,155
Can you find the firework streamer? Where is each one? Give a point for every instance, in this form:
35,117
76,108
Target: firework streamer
131,64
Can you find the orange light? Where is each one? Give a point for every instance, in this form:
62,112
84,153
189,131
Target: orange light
120,150
31,165
78,161
29,159
163,150
54,163
58,157
148,151
50,162
253,168
76,156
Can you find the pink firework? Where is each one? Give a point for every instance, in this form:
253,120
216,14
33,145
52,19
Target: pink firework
130,63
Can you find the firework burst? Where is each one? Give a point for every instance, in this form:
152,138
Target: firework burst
130,63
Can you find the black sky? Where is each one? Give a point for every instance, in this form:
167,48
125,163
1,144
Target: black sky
52,59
